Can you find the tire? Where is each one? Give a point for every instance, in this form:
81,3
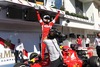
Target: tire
85,64
20,65
94,61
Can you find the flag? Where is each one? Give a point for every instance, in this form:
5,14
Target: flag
24,51
20,47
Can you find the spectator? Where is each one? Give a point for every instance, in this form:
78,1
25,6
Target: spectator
54,50
97,44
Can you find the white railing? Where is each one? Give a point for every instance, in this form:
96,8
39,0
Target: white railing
30,4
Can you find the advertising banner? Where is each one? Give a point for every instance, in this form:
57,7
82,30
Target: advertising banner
6,56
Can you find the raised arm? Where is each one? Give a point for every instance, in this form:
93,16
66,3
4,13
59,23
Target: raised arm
55,19
38,16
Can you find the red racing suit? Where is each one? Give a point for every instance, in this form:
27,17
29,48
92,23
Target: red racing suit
45,30
79,42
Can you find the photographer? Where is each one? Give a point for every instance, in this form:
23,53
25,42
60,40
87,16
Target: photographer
53,49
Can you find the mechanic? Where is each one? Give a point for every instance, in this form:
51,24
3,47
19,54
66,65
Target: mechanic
54,50
46,26
97,44
79,41
87,41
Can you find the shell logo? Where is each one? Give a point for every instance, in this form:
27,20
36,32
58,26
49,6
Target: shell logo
76,65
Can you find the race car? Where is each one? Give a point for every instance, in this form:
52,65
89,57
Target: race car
72,57
86,55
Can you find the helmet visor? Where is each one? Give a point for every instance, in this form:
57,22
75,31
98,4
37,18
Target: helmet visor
46,17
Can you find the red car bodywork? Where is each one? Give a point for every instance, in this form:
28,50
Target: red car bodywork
36,65
71,58
40,64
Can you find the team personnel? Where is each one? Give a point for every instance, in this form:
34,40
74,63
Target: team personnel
46,26
97,44
79,41
87,41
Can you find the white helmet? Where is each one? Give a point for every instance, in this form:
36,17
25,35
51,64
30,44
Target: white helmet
46,17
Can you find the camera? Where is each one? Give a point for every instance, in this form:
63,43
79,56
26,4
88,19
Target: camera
54,33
